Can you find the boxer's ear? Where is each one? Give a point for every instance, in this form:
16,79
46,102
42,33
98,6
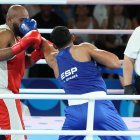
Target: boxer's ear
55,46
72,38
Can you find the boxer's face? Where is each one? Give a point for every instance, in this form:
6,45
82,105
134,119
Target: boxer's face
17,20
16,25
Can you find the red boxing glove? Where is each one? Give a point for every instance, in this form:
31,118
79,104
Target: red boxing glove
31,38
37,54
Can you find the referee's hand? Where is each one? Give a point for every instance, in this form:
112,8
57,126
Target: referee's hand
130,90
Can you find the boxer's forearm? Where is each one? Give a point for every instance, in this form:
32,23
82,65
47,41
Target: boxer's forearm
128,70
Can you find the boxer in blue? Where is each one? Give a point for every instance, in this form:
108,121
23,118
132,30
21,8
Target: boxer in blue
76,70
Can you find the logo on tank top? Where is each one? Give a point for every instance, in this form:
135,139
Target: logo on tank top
69,74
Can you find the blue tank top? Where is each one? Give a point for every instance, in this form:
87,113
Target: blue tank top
78,77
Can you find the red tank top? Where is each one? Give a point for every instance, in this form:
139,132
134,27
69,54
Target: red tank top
15,67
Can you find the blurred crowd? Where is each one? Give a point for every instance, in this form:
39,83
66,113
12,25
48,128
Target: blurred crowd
83,17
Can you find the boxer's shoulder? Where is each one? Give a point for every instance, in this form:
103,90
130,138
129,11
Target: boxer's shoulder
6,37
5,29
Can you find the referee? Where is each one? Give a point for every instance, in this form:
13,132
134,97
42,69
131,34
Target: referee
132,62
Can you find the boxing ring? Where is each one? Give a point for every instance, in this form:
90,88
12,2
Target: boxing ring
50,127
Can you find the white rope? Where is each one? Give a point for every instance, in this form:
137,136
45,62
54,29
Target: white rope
33,1
70,132
71,97
48,91
41,61
92,31
106,2
61,91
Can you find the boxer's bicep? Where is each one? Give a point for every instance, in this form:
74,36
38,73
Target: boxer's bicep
6,39
103,57
6,42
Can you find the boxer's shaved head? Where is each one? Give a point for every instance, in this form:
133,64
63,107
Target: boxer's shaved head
15,16
17,11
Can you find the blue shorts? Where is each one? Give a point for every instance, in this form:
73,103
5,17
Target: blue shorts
106,117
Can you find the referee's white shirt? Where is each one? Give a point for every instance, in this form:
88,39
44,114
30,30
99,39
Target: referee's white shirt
133,49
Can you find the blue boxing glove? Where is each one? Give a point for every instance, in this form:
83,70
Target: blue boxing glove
27,25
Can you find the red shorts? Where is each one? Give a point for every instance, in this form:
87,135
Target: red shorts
11,115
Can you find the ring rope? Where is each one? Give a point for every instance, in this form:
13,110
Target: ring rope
61,91
70,132
92,31
70,96
42,61
56,2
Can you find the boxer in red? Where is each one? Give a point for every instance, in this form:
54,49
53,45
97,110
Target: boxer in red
16,35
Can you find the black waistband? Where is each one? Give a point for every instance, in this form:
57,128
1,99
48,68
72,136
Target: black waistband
137,77
137,83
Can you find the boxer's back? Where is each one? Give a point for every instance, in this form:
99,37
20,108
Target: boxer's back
78,74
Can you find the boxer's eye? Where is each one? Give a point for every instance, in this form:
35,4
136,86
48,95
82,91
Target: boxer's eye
22,19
